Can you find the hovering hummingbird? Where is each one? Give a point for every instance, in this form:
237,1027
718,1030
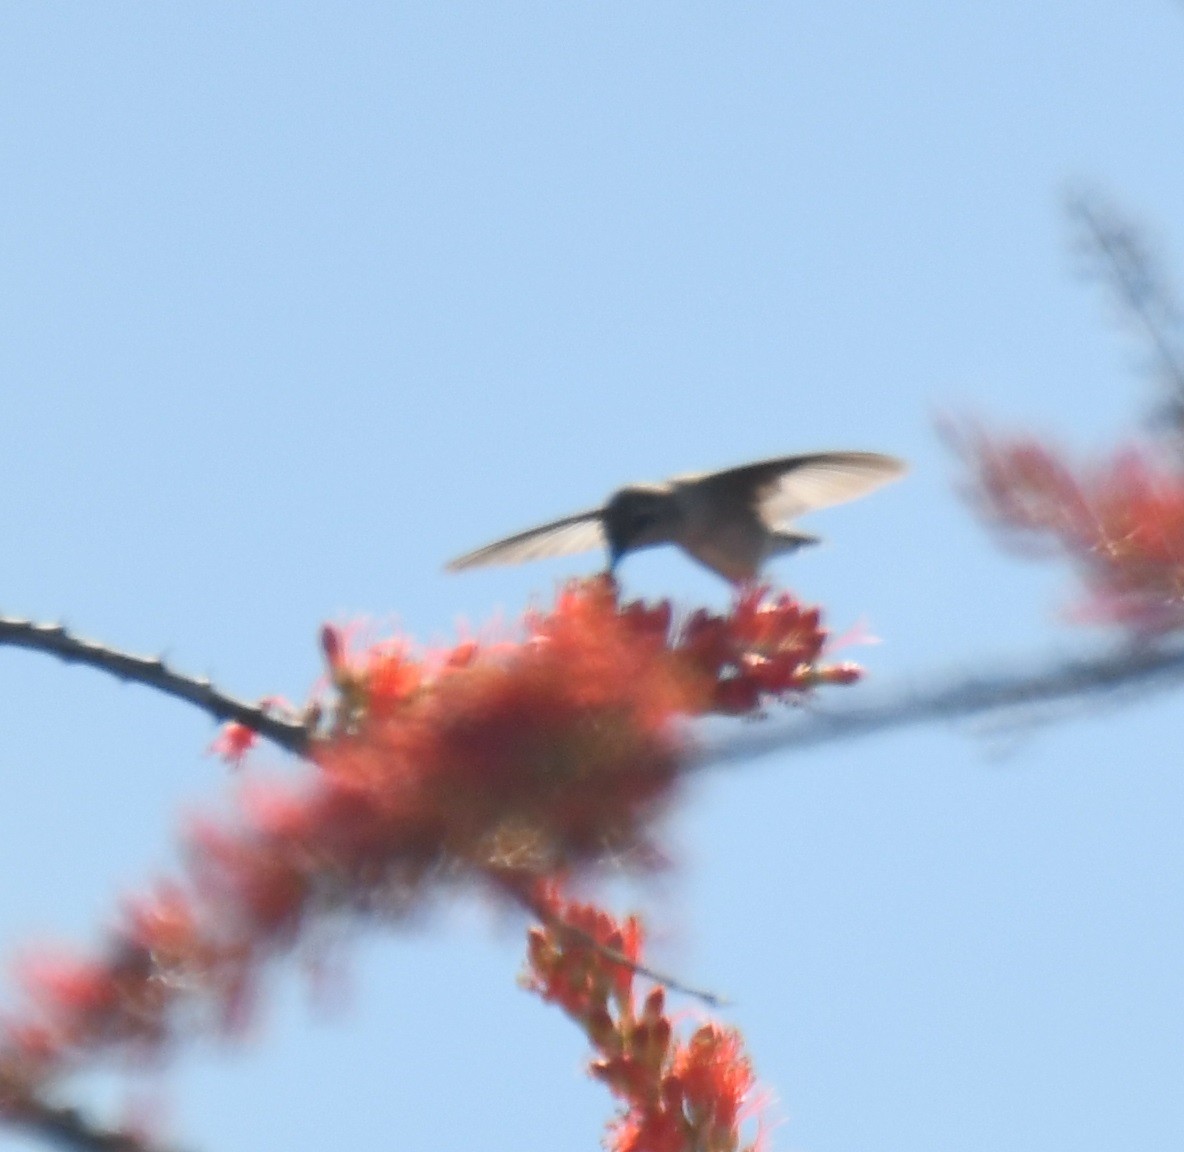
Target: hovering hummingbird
730,521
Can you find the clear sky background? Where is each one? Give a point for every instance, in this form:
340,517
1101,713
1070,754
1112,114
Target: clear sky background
297,301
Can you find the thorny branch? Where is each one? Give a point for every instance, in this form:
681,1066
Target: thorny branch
941,699
549,919
68,1128
289,733
1120,256
1117,675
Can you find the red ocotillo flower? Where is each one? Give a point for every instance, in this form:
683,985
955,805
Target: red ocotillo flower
677,1095
505,764
1121,522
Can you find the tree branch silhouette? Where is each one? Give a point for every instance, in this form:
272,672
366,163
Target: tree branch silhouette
1126,672
68,1128
1119,255
943,697
287,732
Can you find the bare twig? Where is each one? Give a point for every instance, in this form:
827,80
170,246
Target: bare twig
287,732
615,956
1118,676
68,1128
711,999
1122,259
943,699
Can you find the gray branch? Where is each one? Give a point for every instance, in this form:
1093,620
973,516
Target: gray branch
68,1128
1122,677
288,732
1124,260
1132,670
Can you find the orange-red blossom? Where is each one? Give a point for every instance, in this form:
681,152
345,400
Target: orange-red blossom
677,1095
504,763
1121,521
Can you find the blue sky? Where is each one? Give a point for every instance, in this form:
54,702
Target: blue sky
298,301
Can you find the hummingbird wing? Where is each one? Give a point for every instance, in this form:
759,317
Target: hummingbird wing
579,533
782,489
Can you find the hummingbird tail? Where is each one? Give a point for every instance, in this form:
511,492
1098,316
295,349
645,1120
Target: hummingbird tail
784,542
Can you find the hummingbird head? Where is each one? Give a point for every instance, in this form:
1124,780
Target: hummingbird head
639,516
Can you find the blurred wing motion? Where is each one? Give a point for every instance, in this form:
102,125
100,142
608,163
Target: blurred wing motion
783,489
579,533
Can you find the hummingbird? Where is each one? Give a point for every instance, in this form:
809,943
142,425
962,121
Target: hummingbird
730,521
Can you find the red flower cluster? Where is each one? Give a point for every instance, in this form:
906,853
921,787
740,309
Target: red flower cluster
505,764
527,757
760,651
233,742
678,1095
561,749
1121,521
